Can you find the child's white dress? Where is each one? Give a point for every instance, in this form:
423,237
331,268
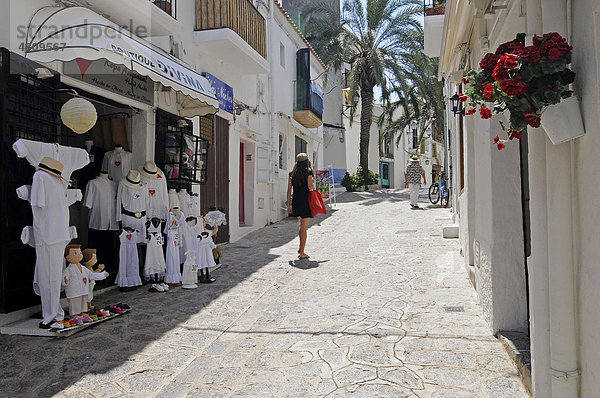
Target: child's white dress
190,234
155,259
173,231
129,262
204,250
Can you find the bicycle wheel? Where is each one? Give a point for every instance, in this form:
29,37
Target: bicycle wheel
445,196
434,193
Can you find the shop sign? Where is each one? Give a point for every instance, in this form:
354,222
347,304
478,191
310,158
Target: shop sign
223,91
112,77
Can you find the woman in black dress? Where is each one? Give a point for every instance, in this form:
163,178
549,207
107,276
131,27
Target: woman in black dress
301,181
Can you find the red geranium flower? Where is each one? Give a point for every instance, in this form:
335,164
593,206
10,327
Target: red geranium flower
463,98
514,86
496,139
514,134
488,92
554,54
533,119
501,146
488,63
506,63
530,53
512,47
485,112
465,80
470,111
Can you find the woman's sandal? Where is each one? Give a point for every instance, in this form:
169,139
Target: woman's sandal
303,258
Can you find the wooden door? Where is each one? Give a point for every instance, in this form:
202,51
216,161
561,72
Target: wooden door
242,213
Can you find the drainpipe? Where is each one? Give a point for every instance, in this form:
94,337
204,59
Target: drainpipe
564,370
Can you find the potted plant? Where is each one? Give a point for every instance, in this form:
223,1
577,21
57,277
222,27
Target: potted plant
528,81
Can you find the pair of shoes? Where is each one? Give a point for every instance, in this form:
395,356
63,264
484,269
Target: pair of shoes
124,306
164,286
157,288
66,324
207,280
303,257
117,309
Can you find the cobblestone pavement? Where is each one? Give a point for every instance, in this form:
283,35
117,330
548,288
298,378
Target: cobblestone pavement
366,316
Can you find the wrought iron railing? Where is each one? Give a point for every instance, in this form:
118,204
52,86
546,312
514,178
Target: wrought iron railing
308,99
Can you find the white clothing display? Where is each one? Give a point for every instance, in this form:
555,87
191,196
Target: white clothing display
101,199
28,238
216,218
173,230
49,264
155,259
174,199
34,151
190,271
158,197
189,205
204,254
134,201
50,206
73,195
129,262
77,282
191,230
117,163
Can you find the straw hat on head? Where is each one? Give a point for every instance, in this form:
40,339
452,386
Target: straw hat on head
415,158
149,170
301,157
132,180
51,166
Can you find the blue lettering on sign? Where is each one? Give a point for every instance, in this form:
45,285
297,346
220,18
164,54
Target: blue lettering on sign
223,92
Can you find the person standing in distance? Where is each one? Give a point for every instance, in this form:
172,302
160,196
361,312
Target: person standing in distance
301,181
414,172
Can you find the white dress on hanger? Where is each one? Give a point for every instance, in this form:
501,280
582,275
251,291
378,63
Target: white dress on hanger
155,259
173,230
204,250
129,262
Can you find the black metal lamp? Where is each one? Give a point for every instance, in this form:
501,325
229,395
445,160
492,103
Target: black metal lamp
454,101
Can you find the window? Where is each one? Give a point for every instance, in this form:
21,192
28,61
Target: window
300,145
262,164
282,55
281,152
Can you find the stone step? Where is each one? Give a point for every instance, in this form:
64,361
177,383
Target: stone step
450,231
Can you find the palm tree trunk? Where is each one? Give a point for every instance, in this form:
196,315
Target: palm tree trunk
366,116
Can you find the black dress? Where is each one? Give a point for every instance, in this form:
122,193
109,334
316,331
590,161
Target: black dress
300,206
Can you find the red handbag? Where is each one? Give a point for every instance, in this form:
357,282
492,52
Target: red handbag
315,201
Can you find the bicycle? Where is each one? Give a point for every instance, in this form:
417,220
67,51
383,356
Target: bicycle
438,190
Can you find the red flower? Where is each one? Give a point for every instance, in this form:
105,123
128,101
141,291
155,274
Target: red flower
512,133
463,98
496,139
530,54
506,63
514,86
501,146
488,92
465,80
533,119
554,54
470,111
488,63
485,112
512,47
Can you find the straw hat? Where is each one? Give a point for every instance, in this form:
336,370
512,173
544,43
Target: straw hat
415,158
51,166
132,180
301,157
149,170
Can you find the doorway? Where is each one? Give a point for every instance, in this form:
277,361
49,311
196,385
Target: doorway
384,174
242,206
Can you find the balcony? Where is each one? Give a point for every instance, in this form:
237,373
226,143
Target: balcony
168,6
433,25
308,105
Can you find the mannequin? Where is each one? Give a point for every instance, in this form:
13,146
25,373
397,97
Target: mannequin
155,267
89,260
131,204
100,199
173,230
117,163
76,279
156,184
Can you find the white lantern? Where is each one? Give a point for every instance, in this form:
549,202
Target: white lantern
79,115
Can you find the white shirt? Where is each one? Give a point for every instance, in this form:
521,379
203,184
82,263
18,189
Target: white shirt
133,200
188,204
78,281
50,207
73,195
101,199
158,196
34,151
117,163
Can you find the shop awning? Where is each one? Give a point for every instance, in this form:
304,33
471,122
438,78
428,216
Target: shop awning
66,34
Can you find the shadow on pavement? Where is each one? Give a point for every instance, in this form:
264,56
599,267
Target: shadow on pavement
306,264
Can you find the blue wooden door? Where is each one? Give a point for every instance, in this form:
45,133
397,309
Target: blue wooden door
384,174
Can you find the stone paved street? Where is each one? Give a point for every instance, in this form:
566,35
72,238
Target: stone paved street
364,317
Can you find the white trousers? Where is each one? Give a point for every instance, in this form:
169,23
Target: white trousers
77,305
49,264
414,194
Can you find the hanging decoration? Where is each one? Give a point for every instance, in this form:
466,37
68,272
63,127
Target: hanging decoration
79,115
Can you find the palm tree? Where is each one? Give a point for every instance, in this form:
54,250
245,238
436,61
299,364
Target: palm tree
370,39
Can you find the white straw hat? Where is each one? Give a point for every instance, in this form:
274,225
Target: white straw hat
132,180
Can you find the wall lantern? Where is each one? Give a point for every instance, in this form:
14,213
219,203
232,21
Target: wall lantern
455,102
79,115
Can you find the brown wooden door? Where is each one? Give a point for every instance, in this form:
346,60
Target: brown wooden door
215,193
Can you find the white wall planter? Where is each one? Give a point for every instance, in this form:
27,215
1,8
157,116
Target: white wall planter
562,122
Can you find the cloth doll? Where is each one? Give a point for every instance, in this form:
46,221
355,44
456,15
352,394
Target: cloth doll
89,260
76,278
204,253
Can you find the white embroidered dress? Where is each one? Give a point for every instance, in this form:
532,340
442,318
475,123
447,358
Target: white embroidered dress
204,250
129,262
155,259
173,230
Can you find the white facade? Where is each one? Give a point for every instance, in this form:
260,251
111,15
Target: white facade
490,198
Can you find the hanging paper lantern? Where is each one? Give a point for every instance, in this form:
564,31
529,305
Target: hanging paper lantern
79,115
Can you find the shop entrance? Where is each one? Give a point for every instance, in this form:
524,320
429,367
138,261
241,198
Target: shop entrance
242,213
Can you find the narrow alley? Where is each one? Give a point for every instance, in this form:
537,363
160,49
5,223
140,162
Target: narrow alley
383,308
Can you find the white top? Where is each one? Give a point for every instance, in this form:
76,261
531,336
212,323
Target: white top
28,236
71,158
188,204
50,207
158,196
101,199
117,163
133,200
78,281
73,195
